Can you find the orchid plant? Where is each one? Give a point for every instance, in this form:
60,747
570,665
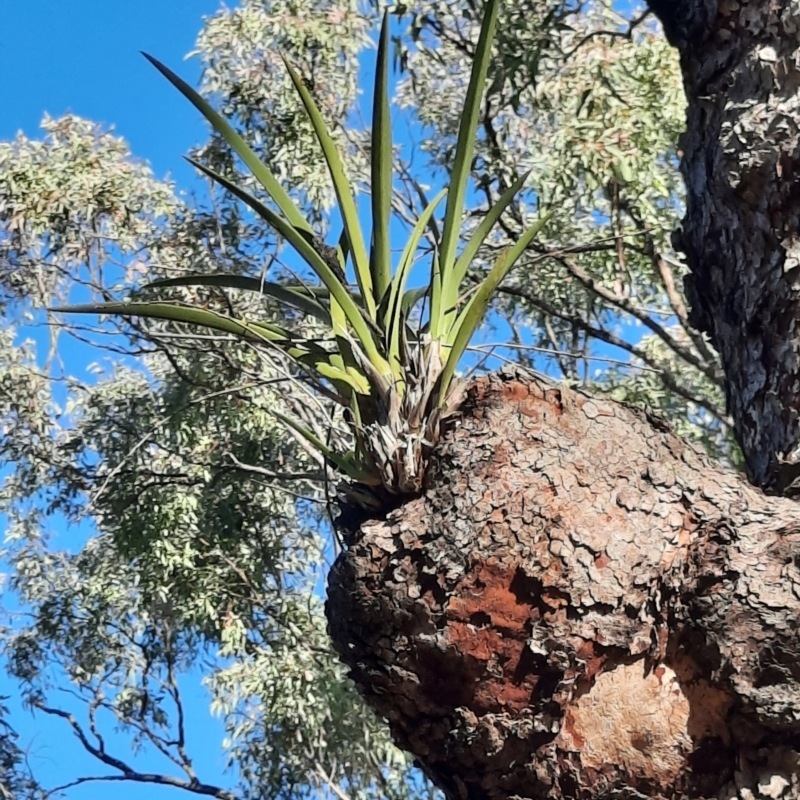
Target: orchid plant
397,381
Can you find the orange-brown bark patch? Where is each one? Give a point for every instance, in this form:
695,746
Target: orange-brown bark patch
487,623
515,391
488,591
594,661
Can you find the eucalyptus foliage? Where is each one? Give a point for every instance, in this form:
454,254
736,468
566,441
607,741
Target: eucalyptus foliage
162,525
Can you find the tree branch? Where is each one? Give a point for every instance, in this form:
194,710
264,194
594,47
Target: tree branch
624,304
128,773
669,380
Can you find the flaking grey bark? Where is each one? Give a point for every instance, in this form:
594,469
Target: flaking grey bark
741,164
580,605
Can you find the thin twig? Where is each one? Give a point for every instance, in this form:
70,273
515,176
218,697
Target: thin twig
548,351
627,34
160,424
332,785
128,773
278,476
624,304
669,380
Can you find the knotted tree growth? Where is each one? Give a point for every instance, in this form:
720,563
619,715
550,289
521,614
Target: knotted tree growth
592,607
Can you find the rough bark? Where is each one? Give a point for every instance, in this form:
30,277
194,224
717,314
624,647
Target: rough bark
741,164
580,605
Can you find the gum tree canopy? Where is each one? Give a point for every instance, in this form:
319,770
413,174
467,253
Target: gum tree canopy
549,580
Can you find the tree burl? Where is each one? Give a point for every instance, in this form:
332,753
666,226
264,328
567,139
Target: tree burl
580,604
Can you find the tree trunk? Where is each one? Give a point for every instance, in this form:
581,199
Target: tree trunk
741,233
580,604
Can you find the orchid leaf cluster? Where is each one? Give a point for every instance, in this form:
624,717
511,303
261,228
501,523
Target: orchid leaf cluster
397,381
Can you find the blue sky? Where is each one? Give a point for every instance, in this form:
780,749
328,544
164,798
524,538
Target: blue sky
83,56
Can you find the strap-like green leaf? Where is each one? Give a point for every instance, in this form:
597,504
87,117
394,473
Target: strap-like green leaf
462,164
176,312
240,147
451,289
339,460
283,294
338,291
423,199
343,250
341,186
412,297
337,315
394,319
381,254
357,383
470,318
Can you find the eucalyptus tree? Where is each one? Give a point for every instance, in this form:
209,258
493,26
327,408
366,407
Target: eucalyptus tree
527,564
